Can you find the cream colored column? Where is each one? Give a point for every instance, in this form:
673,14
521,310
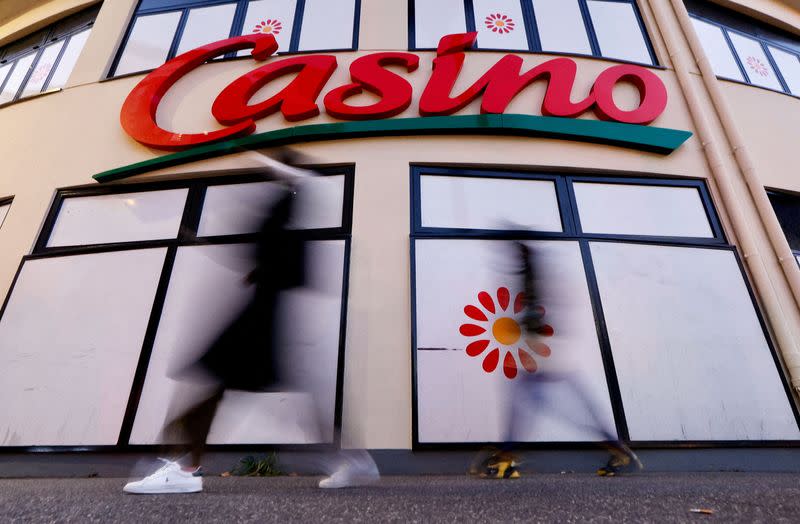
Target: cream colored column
724,175
101,47
384,25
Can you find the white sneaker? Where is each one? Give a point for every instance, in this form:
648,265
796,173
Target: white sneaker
353,473
170,478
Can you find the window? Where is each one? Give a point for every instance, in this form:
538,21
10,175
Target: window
5,205
126,281
641,290
162,29
787,209
608,28
744,50
43,60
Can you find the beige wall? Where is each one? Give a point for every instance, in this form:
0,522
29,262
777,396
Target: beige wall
60,140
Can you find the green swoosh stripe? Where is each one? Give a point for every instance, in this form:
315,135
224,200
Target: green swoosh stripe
653,139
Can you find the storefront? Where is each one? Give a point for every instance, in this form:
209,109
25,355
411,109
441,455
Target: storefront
643,148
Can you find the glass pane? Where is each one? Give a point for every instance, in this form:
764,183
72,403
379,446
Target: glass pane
273,17
489,203
787,209
433,20
327,24
789,66
70,340
68,59
3,212
205,293
618,32
718,51
500,24
641,210
42,69
561,27
125,217
4,70
149,42
690,354
457,399
205,25
755,62
16,77
241,208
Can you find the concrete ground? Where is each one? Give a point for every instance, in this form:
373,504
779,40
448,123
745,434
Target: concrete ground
544,497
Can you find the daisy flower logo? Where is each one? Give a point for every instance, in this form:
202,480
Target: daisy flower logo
498,23
269,26
757,66
498,327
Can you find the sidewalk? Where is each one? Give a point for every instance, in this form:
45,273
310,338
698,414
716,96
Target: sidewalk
570,497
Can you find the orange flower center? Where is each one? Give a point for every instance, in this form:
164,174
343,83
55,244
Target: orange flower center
500,23
506,330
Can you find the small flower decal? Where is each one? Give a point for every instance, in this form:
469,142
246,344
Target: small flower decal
757,66
269,26
499,23
498,327
41,72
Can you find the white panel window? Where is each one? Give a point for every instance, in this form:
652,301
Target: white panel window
327,24
500,24
717,49
275,17
16,77
70,340
618,33
690,354
561,27
124,217
458,399
42,70
433,20
3,212
205,25
241,208
4,70
149,42
789,66
755,61
641,210
68,59
489,203
206,291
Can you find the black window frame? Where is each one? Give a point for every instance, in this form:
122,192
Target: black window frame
184,6
563,183
46,37
5,201
785,195
186,237
534,44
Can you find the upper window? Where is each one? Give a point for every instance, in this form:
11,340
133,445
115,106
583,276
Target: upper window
162,29
43,61
5,205
607,28
744,50
787,209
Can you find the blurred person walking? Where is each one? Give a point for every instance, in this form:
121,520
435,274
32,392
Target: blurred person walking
245,356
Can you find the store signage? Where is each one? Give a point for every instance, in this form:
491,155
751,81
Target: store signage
298,100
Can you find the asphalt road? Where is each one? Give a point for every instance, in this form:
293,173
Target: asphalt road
654,497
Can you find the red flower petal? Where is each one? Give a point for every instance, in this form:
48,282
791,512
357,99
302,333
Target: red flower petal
510,365
503,296
470,330
546,330
490,362
527,360
486,301
519,302
539,348
476,348
475,313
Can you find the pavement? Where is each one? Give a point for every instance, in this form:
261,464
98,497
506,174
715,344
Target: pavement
543,497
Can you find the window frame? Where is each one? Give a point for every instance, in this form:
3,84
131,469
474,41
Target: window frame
534,43
764,43
50,35
5,201
236,29
568,206
187,236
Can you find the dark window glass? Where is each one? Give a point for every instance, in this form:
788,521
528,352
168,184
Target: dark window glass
787,209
